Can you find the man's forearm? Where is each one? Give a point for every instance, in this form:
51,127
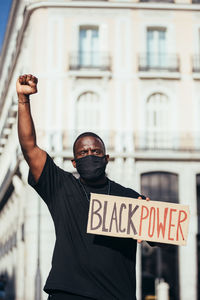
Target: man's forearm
26,129
26,85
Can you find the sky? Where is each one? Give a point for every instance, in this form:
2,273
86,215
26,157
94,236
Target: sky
4,13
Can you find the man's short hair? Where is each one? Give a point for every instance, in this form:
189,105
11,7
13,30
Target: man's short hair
88,134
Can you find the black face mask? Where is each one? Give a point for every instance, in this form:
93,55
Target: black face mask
91,167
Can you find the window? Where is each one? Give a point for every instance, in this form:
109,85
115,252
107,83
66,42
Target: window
156,47
88,55
156,57
157,121
162,186
160,263
88,112
88,46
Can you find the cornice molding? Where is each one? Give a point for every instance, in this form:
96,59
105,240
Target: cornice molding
109,4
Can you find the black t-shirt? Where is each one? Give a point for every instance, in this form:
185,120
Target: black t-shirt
94,266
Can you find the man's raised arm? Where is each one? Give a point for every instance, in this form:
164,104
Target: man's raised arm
35,157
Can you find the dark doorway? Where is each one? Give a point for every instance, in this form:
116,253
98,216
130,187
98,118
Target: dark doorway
160,263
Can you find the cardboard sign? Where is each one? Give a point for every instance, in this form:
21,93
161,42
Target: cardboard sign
155,221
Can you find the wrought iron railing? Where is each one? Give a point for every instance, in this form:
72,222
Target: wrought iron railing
158,62
59,141
126,142
90,60
167,141
163,1
196,63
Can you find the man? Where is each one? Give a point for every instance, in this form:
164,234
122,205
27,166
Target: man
84,266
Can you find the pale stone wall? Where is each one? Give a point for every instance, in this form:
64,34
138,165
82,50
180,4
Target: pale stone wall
50,36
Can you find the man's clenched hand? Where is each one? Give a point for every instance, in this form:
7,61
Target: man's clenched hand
26,85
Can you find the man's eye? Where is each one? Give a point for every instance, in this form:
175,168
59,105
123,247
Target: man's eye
82,152
97,151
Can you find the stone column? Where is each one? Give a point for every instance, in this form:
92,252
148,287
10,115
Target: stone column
188,253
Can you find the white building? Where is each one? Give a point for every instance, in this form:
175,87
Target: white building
128,70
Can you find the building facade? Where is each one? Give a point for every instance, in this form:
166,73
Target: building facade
129,71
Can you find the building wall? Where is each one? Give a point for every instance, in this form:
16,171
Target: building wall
43,39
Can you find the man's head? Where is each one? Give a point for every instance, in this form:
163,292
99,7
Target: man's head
86,139
90,145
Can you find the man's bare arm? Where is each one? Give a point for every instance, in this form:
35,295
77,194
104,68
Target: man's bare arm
35,157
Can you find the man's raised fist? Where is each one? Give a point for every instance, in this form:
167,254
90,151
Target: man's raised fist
26,85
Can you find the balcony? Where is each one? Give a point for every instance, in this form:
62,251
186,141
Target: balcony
158,65
166,141
90,61
62,141
163,1
158,62
129,144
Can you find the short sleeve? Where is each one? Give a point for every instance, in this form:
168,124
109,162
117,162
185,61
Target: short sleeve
49,181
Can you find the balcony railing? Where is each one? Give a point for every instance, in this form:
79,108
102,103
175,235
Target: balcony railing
159,62
126,143
59,141
163,1
196,63
167,141
90,60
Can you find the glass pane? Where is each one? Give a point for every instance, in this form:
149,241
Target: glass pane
162,48
150,48
83,47
95,48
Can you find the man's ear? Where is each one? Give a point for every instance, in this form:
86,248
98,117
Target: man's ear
107,158
73,163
